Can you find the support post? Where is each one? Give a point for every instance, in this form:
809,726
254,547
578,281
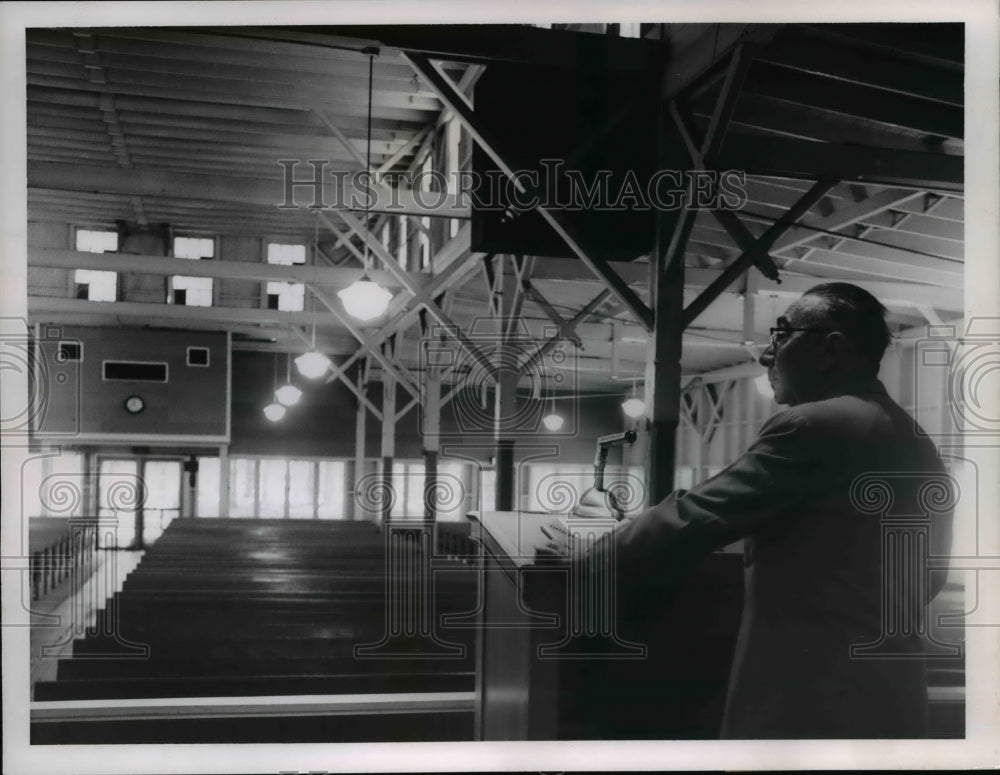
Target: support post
505,410
224,480
663,354
432,440
388,439
360,430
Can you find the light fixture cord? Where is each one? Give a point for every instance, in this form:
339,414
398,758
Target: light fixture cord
312,292
368,154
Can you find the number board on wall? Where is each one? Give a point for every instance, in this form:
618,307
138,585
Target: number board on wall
111,385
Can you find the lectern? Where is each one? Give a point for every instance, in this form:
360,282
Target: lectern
551,666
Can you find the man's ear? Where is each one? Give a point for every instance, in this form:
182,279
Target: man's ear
838,347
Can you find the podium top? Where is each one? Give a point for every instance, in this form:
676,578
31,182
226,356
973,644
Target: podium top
512,536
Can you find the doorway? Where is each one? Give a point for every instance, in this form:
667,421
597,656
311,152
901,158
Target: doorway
142,495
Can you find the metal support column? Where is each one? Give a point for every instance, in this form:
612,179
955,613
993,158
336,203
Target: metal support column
224,487
388,438
505,409
663,353
360,431
432,440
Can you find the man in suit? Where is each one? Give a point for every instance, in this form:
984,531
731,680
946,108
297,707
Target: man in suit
820,653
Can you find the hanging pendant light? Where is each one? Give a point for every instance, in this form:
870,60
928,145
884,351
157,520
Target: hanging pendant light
313,364
634,406
274,411
553,421
288,394
365,299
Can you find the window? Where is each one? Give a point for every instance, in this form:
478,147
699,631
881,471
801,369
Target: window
96,241
198,356
331,490
454,497
209,487
289,297
283,488
162,479
58,490
273,482
487,489
117,482
285,255
555,487
242,487
192,291
194,247
93,284
408,488
301,495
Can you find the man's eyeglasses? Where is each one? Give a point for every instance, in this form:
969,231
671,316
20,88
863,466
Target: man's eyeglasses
780,334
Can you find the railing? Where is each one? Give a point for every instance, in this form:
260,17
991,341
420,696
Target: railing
59,549
249,707
453,540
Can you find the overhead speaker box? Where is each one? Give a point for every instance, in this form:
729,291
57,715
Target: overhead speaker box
587,135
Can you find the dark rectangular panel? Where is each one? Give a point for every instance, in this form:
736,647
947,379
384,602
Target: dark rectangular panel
135,371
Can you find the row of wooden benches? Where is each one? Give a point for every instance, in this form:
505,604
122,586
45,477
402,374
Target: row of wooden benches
266,608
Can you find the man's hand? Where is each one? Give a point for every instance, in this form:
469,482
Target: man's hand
557,548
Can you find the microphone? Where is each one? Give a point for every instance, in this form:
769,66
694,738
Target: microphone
595,499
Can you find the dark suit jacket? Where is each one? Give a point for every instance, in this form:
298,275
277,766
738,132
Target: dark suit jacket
806,496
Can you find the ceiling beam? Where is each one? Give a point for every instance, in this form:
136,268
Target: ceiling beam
844,216
223,270
51,305
234,90
266,192
757,113
636,274
799,50
785,157
857,100
545,270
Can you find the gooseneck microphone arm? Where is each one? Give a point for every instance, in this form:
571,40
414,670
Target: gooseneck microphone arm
604,443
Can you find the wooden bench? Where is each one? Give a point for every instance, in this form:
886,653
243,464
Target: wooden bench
225,608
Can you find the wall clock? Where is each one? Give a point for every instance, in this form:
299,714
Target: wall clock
135,404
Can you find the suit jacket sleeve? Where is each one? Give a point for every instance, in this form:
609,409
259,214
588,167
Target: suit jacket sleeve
770,480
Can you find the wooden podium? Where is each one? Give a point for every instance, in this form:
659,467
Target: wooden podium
552,668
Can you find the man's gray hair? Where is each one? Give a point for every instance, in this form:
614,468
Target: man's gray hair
859,315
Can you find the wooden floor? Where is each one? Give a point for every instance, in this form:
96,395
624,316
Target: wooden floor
258,614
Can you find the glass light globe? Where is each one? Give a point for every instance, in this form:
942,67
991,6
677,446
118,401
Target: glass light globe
634,407
274,412
552,422
312,364
365,300
288,395
763,385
